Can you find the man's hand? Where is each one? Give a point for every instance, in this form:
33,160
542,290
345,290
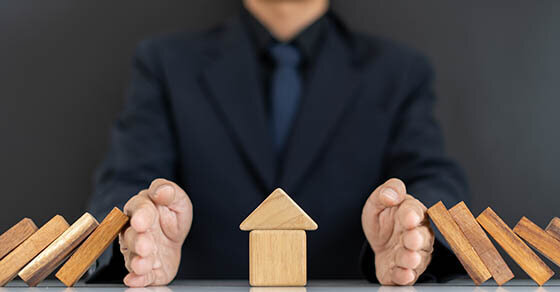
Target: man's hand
398,232
160,219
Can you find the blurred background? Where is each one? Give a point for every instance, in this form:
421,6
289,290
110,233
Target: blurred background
64,68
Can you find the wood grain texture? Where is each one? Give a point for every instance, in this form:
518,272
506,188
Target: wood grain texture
16,235
481,243
278,212
459,243
32,246
514,246
277,258
50,258
539,239
92,247
553,228
277,289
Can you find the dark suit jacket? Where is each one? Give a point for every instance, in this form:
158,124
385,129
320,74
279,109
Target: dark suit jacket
195,115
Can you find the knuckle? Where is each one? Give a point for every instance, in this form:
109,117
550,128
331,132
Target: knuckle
133,202
129,242
143,194
158,181
397,183
146,205
128,234
127,261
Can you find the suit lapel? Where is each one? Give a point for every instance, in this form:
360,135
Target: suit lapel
234,88
331,90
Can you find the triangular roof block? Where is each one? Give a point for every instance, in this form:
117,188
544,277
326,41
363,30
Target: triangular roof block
278,212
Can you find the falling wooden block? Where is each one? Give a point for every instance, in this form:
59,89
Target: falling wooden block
16,235
277,242
277,258
278,211
539,239
515,247
553,228
92,247
42,265
459,243
32,246
481,243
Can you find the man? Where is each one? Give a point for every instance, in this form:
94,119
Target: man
282,95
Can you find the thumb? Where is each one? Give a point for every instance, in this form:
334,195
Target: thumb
387,195
176,216
165,193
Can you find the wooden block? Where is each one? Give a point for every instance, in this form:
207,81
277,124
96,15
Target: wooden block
50,258
92,247
16,235
278,212
481,243
459,243
277,258
32,246
539,239
515,247
553,228
278,289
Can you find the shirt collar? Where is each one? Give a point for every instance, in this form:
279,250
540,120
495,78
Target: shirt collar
307,41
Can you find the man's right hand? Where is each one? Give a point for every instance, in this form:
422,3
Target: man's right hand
160,219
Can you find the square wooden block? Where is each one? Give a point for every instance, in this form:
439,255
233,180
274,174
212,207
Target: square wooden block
277,258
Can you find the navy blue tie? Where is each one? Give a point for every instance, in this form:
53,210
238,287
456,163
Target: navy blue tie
285,91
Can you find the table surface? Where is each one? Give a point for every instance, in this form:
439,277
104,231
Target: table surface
313,286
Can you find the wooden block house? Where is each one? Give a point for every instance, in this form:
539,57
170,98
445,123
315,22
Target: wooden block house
277,242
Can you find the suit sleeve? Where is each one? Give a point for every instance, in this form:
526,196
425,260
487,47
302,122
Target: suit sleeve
142,148
416,155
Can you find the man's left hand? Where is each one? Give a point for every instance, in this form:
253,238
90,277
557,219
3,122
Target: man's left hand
398,231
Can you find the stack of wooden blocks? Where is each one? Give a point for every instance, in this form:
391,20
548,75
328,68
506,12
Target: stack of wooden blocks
34,253
478,255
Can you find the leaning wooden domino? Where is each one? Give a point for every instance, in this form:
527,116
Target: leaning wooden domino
539,239
50,258
459,243
25,252
515,247
553,228
16,235
481,243
92,247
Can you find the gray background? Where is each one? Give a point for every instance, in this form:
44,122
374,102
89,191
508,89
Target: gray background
64,66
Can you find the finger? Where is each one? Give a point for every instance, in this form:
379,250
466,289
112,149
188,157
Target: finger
403,276
144,245
174,206
426,258
164,192
135,201
134,280
125,251
122,243
389,194
410,213
129,239
171,223
127,261
142,265
420,238
408,259
142,213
